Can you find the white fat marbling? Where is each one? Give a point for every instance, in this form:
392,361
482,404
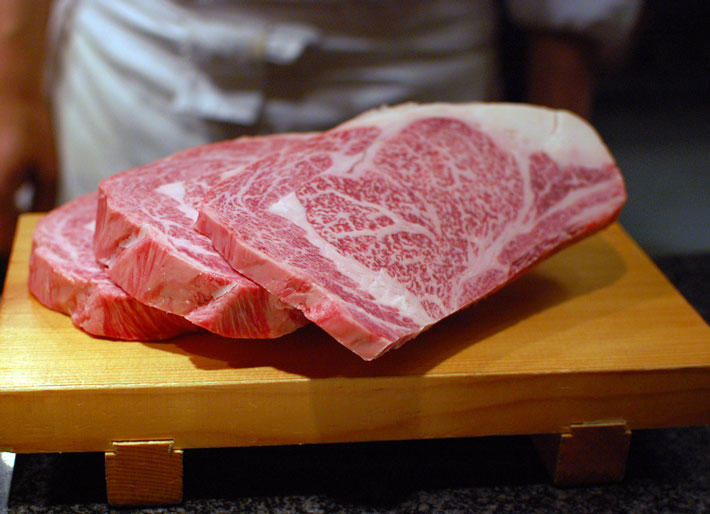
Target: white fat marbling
176,191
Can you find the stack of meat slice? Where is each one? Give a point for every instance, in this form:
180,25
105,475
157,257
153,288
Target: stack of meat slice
65,276
375,230
145,238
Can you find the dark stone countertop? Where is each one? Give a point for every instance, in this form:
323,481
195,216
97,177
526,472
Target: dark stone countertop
668,469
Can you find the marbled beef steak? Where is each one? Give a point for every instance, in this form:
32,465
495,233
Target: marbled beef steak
145,237
384,225
65,277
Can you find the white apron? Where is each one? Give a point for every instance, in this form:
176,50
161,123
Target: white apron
135,80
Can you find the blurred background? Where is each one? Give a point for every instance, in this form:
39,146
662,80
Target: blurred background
654,114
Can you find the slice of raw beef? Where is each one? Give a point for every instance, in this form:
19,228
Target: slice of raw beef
383,226
145,237
65,276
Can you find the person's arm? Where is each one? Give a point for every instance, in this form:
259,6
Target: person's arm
561,71
27,152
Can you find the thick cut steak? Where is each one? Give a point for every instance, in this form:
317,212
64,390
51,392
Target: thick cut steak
145,237
65,276
383,226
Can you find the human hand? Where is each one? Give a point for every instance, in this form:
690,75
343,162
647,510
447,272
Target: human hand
561,71
27,159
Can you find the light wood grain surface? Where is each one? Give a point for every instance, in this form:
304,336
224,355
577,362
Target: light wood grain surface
596,332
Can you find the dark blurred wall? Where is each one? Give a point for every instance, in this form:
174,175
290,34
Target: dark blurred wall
654,114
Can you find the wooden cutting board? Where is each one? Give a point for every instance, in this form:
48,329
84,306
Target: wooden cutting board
594,333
